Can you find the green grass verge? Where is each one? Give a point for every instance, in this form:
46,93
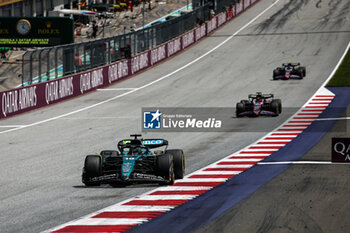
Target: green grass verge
341,77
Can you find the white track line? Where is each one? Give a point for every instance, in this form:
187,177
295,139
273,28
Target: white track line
166,197
109,221
170,188
332,119
241,160
118,89
11,126
148,84
216,173
299,162
128,208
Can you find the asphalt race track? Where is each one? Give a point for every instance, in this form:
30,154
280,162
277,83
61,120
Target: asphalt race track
305,198
41,164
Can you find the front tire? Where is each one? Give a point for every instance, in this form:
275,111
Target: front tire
165,166
92,168
275,74
303,70
279,103
179,162
239,109
275,107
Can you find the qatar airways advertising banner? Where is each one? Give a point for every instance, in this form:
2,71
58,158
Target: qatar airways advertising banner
188,39
239,7
28,98
341,150
19,100
200,32
158,54
246,4
211,25
221,19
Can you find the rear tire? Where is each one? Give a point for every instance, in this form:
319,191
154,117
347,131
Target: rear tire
92,168
303,70
179,163
165,166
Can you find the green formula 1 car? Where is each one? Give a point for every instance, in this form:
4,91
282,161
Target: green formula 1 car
135,161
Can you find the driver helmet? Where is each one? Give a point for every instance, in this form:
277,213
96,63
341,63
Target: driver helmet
142,150
259,98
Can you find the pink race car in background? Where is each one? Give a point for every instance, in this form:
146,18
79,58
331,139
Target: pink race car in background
289,71
259,105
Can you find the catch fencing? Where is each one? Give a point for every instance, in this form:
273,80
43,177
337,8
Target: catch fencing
59,61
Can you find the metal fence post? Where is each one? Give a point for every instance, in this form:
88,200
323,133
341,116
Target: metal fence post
48,64
23,56
90,48
146,39
135,43
39,80
31,67
56,62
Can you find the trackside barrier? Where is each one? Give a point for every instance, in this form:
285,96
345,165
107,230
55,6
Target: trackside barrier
39,95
